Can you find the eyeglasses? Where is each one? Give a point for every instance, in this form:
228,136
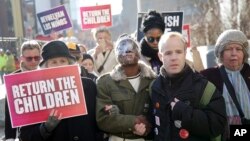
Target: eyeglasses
152,39
29,59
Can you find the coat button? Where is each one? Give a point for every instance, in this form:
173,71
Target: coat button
76,138
184,134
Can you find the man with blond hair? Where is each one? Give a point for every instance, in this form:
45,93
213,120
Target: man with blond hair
176,95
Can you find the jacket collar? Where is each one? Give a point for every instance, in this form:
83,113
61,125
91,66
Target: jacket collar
118,74
186,68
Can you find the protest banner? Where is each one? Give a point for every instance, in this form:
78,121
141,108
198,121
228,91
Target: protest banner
186,34
32,95
173,21
96,16
54,20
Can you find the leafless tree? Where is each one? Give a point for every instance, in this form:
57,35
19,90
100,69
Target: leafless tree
244,16
207,24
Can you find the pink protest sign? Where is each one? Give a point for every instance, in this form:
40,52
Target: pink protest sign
96,16
32,95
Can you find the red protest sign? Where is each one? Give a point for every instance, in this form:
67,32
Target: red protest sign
96,16
32,95
186,34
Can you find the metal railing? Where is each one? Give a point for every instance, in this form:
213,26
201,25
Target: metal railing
14,44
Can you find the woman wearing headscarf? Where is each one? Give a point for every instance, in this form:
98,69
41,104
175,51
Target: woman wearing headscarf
231,77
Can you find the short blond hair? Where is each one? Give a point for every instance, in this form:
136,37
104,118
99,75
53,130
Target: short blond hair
165,37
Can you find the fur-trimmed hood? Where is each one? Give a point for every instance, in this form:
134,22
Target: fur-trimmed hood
118,74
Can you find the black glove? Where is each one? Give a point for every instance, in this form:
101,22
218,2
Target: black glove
51,123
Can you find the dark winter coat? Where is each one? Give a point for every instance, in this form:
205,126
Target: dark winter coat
10,133
213,75
188,87
85,73
80,128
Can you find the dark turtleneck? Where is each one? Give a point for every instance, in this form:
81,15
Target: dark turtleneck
176,79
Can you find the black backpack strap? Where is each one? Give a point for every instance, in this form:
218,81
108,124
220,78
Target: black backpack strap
231,90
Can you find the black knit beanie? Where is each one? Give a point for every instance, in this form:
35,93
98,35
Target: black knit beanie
153,20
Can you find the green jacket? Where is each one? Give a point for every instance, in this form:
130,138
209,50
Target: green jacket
115,89
3,59
10,64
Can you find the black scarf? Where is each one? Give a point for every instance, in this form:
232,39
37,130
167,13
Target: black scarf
149,52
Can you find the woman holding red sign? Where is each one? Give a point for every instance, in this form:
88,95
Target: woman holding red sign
55,54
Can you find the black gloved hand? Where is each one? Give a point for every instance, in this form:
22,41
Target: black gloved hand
51,123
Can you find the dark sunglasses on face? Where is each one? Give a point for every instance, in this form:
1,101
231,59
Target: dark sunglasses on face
29,59
152,39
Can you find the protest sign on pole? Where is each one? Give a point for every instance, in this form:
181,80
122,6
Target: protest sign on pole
173,21
186,34
96,16
54,20
32,95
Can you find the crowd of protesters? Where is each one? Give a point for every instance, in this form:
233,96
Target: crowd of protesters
142,90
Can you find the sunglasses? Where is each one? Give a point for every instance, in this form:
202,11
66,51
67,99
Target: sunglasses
29,59
152,39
